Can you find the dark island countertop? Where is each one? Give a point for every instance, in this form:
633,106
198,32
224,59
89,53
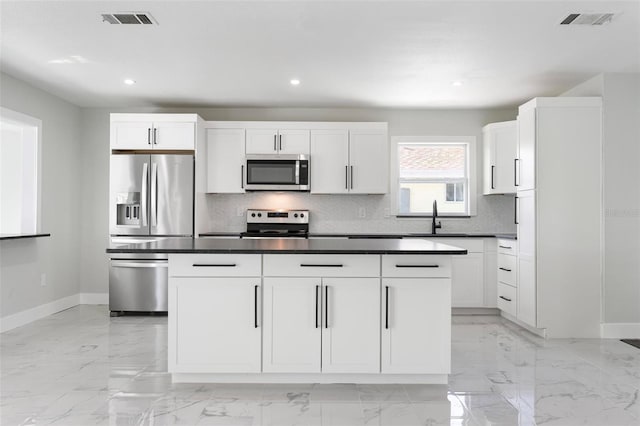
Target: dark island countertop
289,246
376,235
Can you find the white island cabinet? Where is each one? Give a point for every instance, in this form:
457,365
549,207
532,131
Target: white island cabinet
319,318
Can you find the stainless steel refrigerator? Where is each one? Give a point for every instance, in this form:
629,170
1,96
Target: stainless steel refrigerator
150,198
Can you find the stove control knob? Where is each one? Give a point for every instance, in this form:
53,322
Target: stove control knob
301,214
295,215
259,214
253,215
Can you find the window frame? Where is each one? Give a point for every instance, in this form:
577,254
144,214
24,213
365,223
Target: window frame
28,121
472,191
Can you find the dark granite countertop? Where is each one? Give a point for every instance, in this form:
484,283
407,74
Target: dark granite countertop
377,235
289,246
22,236
507,236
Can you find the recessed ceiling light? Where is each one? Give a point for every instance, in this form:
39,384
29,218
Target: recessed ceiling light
129,82
294,82
456,83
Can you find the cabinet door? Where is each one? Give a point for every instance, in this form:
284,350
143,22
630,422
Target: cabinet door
292,338
217,321
262,141
526,269
489,161
329,161
369,162
525,177
351,325
225,161
168,135
416,325
131,135
505,143
293,142
467,281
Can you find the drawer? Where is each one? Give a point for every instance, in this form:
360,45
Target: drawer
507,269
472,245
416,266
508,246
215,265
321,265
507,298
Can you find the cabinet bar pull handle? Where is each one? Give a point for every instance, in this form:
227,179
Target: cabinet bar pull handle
417,266
326,306
280,142
155,136
214,265
242,176
515,172
275,139
317,288
492,169
327,265
386,309
507,247
346,177
149,135
351,177
515,210
504,269
504,298
255,306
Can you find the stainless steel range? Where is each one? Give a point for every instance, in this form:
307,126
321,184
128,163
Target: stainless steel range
277,224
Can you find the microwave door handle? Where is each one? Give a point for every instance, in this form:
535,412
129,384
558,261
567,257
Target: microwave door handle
154,194
145,183
297,172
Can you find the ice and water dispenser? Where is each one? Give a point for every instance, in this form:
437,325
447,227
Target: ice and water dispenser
128,209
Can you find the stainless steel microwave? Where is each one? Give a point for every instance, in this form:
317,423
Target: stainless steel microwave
277,173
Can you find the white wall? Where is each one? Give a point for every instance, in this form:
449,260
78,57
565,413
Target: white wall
330,213
621,160
23,261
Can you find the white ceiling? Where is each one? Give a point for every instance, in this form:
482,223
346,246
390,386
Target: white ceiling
346,53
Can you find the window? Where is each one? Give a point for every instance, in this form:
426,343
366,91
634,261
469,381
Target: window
19,146
428,169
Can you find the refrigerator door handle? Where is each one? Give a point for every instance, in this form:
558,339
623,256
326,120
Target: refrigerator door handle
154,194
145,177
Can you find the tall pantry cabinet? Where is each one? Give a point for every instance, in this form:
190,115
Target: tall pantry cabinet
559,215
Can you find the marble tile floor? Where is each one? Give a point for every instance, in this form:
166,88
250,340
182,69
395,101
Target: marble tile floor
81,367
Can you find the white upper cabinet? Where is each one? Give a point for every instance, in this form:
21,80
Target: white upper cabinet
354,162
153,131
330,161
500,141
273,141
225,161
526,153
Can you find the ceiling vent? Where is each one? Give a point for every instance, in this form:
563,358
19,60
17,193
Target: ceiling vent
133,18
587,19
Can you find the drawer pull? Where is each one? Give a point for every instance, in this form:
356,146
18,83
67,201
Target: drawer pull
505,269
417,266
506,247
321,265
504,298
214,265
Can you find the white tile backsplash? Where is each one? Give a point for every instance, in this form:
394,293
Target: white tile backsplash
339,213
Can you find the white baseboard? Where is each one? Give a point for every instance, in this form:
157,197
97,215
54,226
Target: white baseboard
94,298
622,330
25,317
33,314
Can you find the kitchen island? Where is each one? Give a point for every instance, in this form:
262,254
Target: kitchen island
307,310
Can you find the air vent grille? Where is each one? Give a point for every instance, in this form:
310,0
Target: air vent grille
129,18
587,19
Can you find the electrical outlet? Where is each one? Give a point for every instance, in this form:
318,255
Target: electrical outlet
43,280
362,212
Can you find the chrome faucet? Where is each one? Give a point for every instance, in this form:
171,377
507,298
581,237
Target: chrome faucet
435,225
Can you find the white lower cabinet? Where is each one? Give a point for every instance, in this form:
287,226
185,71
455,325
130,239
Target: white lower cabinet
314,325
416,325
217,324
